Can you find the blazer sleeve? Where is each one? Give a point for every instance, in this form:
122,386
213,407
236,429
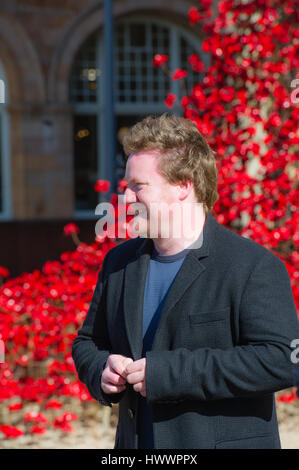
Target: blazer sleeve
91,347
260,363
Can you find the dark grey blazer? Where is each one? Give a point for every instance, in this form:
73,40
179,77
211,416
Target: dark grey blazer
221,350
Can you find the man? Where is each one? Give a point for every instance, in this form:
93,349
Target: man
189,331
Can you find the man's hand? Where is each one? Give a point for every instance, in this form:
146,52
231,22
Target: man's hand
114,375
136,375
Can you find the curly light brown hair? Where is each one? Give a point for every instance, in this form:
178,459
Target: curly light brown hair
184,153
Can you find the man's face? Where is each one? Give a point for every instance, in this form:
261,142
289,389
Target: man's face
150,188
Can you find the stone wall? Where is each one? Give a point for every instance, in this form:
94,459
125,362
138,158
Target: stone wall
38,43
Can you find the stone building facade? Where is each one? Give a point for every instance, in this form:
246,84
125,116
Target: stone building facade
52,121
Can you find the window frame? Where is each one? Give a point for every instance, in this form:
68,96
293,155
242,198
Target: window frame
5,210
97,108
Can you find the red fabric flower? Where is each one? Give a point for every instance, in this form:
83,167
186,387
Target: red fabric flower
227,94
37,430
244,109
195,62
194,16
122,185
102,186
4,272
11,431
70,228
287,397
35,416
160,59
15,407
170,100
63,421
53,404
178,74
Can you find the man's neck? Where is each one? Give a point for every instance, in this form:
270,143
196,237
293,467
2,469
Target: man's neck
171,246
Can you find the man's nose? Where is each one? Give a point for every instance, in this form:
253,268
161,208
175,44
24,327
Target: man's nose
129,196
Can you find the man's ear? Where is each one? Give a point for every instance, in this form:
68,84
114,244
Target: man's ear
185,187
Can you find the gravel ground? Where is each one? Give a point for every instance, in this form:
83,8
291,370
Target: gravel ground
288,420
96,430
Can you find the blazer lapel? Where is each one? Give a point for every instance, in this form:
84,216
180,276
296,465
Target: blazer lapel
134,284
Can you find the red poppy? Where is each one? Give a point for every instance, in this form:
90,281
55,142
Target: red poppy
195,62
160,59
170,100
194,16
102,186
35,416
246,113
15,407
37,430
11,431
178,74
70,228
4,272
122,185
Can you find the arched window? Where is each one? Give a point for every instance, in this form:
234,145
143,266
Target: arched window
140,89
4,150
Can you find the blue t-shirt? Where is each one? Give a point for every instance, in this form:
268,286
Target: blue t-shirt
160,276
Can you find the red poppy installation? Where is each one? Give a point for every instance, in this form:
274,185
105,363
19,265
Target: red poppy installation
246,105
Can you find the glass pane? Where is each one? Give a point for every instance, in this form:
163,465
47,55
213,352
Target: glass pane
85,161
85,75
123,124
186,51
135,75
137,35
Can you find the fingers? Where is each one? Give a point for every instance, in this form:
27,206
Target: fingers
140,387
113,378
135,377
125,364
119,370
111,382
119,363
110,388
136,366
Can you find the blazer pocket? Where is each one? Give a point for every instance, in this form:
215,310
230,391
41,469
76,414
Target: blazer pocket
266,441
209,329
210,317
